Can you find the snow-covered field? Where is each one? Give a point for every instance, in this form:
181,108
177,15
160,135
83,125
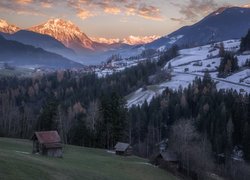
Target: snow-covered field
194,62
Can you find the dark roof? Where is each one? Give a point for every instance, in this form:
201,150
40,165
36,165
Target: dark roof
47,137
121,146
169,156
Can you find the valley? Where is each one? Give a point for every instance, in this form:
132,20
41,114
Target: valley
122,90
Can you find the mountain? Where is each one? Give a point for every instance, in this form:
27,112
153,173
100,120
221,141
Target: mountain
67,33
45,42
8,28
19,54
72,37
223,24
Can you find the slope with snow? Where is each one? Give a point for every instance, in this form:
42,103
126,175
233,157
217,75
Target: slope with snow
192,63
66,32
223,24
5,27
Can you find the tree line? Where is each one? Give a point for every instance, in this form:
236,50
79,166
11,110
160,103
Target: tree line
70,102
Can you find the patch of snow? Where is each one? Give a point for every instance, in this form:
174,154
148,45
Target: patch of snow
22,152
242,59
174,39
111,152
162,48
144,163
3,23
194,62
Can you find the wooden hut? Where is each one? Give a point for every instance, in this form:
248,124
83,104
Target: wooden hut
47,143
123,149
166,159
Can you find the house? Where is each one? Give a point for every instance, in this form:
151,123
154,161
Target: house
123,149
166,159
47,143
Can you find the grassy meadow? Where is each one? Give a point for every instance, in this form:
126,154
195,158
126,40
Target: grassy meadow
18,163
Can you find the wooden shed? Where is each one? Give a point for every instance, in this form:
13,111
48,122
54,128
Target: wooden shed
123,149
47,143
167,159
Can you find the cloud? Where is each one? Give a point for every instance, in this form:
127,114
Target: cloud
84,14
22,7
115,7
24,1
43,3
150,12
46,4
87,8
132,40
246,6
195,9
112,10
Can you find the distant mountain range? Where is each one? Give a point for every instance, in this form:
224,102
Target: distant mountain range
62,31
223,24
67,33
18,54
72,37
45,42
62,37
5,27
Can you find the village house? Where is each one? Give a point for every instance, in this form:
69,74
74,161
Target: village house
123,149
166,159
47,143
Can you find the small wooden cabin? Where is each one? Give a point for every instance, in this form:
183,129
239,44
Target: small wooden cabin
47,143
167,159
123,149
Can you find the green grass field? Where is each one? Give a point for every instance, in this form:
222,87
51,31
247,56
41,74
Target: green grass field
16,162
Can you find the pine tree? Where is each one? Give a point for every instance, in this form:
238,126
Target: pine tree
114,114
46,120
222,50
228,64
245,43
246,142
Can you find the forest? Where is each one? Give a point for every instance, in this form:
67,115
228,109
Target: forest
91,111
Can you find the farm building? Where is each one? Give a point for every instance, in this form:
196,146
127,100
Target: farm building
47,143
123,149
166,159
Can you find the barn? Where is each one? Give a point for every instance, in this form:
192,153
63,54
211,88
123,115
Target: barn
47,143
166,159
123,149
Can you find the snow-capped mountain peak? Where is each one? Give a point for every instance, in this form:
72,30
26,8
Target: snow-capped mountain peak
8,28
66,32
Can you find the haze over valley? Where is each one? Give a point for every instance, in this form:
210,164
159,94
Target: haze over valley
125,89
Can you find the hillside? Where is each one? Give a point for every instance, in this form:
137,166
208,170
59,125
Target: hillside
19,54
221,25
37,40
192,63
77,163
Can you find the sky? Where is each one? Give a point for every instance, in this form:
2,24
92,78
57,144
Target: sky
114,19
